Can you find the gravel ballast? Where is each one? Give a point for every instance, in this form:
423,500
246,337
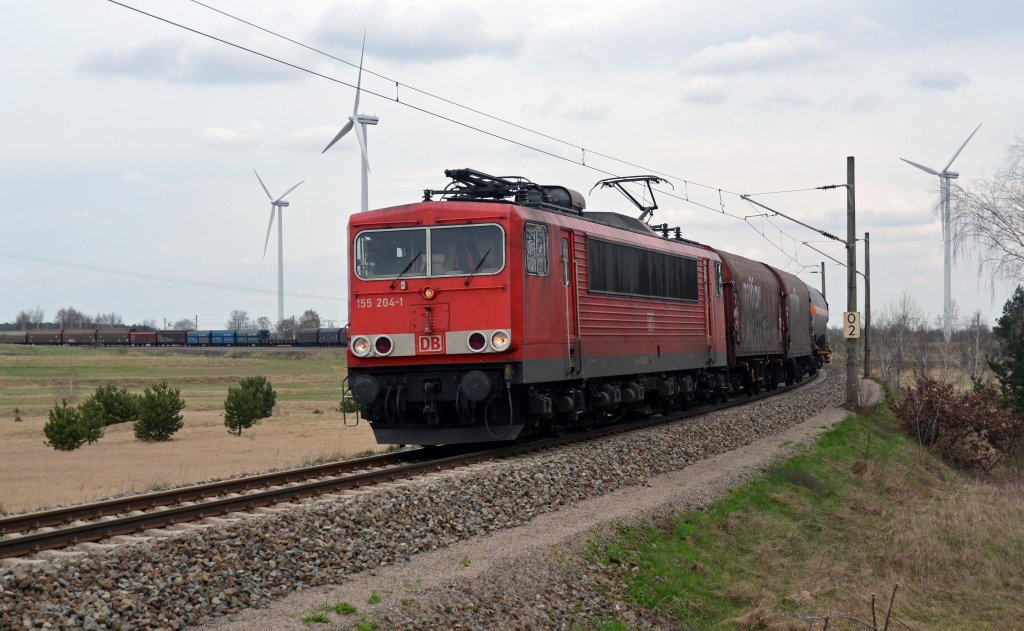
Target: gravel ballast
201,574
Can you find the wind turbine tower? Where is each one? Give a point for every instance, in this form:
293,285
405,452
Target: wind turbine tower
358,122
277,205
944,177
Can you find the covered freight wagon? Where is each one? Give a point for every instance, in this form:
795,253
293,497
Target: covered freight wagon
143,338
197,338
79,337
44,336
173,337
114,337
12,337
753,308
251,338
796,315
306,337
222,338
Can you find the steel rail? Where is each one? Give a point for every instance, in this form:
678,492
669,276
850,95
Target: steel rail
165,515
148,501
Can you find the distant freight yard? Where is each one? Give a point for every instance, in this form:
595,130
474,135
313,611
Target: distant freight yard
305,427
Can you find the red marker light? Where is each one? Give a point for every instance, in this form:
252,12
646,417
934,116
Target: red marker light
429,292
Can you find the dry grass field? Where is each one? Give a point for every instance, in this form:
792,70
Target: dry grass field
305,426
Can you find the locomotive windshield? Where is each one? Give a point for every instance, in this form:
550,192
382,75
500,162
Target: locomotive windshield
430,252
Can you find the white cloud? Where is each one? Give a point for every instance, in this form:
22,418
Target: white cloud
556,104
419,34
246,134
854,103
758,53
140,178
179,61
938,79
706,89
788,100
587,58
863,31
314,138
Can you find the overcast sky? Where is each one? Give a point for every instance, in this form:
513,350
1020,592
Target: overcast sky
127,145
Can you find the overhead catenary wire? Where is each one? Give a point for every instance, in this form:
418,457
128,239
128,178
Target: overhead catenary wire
583,150
443,117
721,209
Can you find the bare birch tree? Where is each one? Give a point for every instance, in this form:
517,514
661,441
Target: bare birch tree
988,219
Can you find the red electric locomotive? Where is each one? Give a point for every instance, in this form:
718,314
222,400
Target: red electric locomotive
503,310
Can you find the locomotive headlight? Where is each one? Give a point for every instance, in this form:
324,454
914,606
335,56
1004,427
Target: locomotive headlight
500,340
383,345
429,292
360,346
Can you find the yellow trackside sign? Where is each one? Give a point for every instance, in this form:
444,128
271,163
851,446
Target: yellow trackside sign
851,324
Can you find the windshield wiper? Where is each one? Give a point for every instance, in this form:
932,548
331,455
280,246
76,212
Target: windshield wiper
405,269
477,268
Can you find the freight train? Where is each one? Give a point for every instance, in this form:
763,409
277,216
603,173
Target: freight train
133,337
504,309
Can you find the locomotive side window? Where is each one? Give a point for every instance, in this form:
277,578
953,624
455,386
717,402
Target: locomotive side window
623,269
535,244
427,252
718,277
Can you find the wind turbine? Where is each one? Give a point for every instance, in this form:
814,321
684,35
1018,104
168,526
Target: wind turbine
358,122
944,177
277,205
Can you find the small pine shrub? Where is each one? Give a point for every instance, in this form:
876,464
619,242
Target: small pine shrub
253,399
159,413
17,415
119,405
241,409
64,430
93,419
263,391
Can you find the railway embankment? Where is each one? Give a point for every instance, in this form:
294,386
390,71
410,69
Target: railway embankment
232,566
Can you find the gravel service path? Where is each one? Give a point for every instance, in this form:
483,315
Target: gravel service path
414,543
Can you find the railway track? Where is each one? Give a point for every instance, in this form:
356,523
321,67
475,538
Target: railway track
30,533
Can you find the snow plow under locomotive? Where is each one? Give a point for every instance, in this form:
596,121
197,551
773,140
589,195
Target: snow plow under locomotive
503,309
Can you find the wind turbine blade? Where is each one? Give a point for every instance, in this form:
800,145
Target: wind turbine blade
269,226
289,191
922,167
359,81
362,144
962,148
344,130
269,196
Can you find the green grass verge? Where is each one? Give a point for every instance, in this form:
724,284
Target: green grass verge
860,511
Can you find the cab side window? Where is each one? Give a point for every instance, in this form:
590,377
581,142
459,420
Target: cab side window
535,243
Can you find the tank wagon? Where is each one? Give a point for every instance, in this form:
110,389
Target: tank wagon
504,309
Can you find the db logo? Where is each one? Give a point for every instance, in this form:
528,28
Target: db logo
430,344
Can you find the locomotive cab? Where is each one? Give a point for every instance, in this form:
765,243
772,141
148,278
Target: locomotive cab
432,349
